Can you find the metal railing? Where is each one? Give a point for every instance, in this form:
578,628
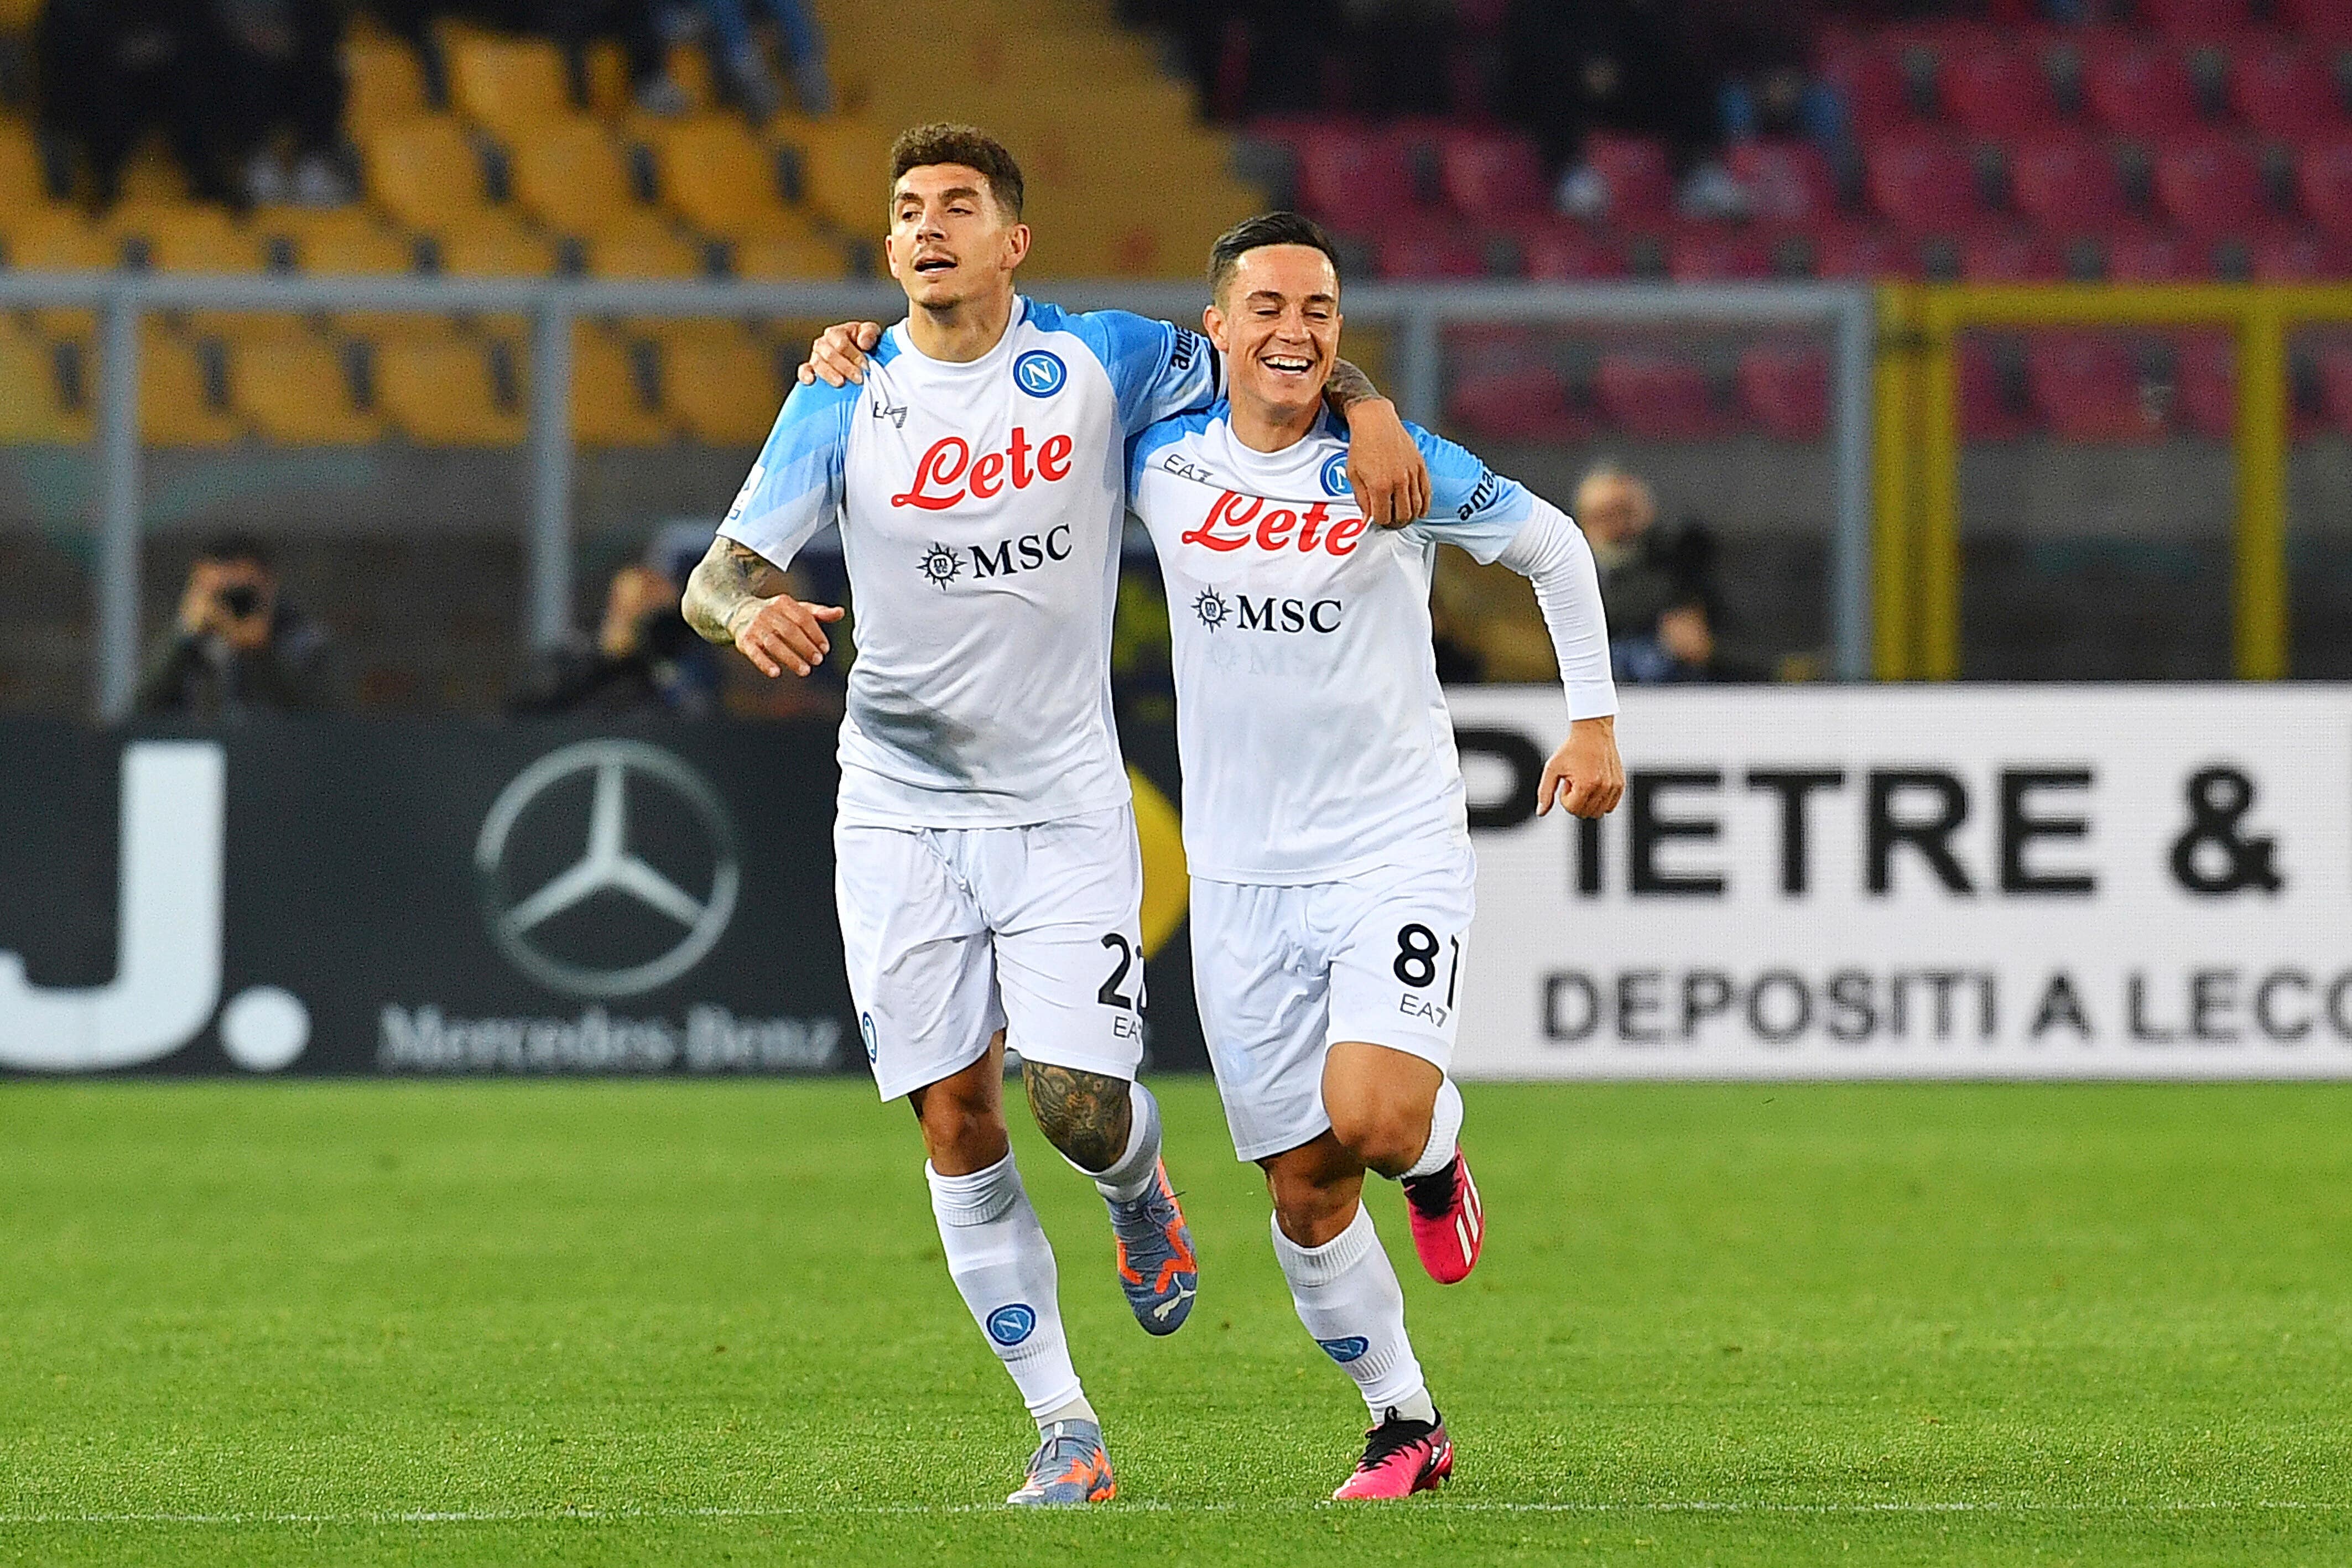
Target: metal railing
1418,313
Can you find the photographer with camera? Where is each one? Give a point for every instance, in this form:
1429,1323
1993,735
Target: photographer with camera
239,647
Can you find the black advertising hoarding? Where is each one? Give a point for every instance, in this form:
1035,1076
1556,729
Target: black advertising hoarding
353,897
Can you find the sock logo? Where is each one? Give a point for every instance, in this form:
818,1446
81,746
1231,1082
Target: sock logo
1344,1351
1008,1326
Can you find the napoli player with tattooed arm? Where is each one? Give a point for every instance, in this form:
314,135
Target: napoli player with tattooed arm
1324,820
987,873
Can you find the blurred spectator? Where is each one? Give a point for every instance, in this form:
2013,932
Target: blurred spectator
240,646
646,661
1605,65
575,24
110,70
745,65
1657,585
285,75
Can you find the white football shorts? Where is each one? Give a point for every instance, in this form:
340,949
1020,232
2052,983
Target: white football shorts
952,933
1284,972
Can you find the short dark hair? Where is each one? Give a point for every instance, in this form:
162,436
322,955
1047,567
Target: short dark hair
240,547
943,142
1266,228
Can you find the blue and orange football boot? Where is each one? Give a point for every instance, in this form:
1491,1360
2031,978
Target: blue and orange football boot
1156,1268
1069,1469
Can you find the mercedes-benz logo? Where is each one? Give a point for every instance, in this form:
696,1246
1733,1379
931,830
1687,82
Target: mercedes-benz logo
607,864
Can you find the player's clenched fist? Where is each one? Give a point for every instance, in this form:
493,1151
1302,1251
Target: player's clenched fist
783,633
1585,772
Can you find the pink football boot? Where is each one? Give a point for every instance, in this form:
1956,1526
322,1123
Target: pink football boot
1401,1458
1448,1225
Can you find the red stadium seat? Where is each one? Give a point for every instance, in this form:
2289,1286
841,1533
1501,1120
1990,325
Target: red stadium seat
2066,181
1863,250
2205,385
1556,250
1657,397
2003,255
1996,93
1921,180
1786,389
1717,252
2208,184
1355,180
1870,82
1641,180
2196,21
2323,21
2139,88
2087,387
2153,256
1418,250
2285,92
2295,256
1786,180
2333,364
1491,176
2324,184
1988,412
1526,402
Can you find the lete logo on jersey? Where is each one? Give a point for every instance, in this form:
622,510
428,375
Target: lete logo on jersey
948,472
1228,526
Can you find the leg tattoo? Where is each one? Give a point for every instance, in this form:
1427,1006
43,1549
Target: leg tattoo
1084,1114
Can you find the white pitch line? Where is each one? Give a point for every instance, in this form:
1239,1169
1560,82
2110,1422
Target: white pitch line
1467,1505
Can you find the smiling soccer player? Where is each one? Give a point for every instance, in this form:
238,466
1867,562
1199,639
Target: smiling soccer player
1324,819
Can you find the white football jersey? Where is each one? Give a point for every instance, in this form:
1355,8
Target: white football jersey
980,506
1313,737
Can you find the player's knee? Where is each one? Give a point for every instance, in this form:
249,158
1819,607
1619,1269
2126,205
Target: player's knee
1383,1126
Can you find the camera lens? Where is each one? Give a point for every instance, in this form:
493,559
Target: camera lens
241,601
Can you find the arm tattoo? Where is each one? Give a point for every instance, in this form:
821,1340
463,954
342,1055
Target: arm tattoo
729,578
1084,1114
1346,386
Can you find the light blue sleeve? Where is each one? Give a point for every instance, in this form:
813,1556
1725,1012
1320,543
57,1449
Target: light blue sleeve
1470,505
797,487
1157,368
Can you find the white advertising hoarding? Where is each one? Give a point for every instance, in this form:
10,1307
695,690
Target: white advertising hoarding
1963,882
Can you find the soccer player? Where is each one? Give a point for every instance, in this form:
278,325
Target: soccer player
987,872
1324,820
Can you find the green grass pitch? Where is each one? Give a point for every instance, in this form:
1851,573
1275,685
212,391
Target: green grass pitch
697,1322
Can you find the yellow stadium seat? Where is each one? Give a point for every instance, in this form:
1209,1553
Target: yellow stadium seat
510,85
30,407
20,167
608,406
423,172
345,240
608,80
844,168
386,81
776,260
496,246
573,176
185,237
181,402
659,256
152,174
722,178
725,392
441,391
297,391
18,13
689,66
50,236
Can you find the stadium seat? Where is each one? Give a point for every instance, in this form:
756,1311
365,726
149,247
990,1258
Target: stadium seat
184,398
2003,255
2065,181
1787,181
1922,181
1786,389
345,240
570,175
1523,403
2139,88
724,391
615,391
2196,21
651,256
31,409
2205,385
721,179
1717,252
424,172
21,180
2086,386
1556,250
1639,177
494,244
1355,180
297,391
783,257
2324,184
184,237
512,85
1869,83
444,391
1996,93
2208,184
50,236
2295,256
1863,250
2286,92
1992,399
842,167
2333,365
385,81
2323,21
1426,250
1656,396
2152,256
1491,177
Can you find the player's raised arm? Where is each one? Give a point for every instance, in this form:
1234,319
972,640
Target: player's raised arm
1385,466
